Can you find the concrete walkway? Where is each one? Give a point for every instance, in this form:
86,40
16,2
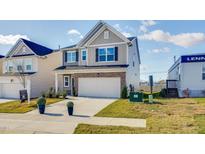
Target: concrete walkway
56,119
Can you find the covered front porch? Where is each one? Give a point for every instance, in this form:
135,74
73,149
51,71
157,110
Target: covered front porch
89,82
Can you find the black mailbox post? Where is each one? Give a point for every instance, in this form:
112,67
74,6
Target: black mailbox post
23,95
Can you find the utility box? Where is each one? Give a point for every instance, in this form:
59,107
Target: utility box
136,97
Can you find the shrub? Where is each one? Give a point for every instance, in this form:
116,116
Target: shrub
163,93
70,104
41,101
58,94
74,92
64,93
124,92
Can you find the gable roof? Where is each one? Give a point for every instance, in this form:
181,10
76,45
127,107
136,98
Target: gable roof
36,48
75,45
96,29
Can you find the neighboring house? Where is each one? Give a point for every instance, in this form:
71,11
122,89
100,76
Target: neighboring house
30,66
100,65
188,72
1,63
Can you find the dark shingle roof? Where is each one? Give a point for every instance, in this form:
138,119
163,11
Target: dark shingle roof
71,46
37,48
131,38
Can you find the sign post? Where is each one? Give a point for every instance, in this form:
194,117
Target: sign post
151,88
151,83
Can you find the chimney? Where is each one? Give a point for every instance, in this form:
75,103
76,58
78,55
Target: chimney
59,47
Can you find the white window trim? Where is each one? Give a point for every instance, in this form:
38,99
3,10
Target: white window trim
82,54
71,56
68,81
28,65
28,62
106,54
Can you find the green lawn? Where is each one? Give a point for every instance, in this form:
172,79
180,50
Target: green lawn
164,116
18,107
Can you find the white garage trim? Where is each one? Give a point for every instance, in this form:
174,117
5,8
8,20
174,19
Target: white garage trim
109,87
10,87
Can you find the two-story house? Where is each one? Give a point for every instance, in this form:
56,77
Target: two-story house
100,65
30,66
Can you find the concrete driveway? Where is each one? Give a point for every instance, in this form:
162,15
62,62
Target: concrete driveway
56,119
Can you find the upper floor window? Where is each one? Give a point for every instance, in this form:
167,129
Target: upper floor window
28,67
28,64
106,34
84,54
19,68
71,56
106,54
203,72
10,68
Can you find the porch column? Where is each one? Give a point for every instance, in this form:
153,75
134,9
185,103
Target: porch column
56,82
28,88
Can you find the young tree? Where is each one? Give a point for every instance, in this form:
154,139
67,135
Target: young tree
20,73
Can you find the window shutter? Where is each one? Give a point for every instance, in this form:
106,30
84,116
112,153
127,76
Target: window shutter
116,53
96,55
77,55
65,57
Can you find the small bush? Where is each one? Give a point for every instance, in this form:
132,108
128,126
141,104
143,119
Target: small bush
74,92
70,104
163,93
41,101
64,93
124,93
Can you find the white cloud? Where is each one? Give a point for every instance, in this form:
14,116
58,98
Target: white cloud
75,32
149,22
11,39
145,24
124,32
161,50
182,39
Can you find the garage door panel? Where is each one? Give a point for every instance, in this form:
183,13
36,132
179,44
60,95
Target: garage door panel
99,87
10,90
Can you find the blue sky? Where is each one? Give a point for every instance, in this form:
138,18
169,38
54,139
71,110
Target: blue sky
159,41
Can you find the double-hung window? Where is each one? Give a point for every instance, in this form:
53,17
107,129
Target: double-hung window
66,81
106,54
203,72
10,66
19,68
71,56
84,54
28,65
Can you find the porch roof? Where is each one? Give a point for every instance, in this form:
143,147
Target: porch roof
76,67
17,74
